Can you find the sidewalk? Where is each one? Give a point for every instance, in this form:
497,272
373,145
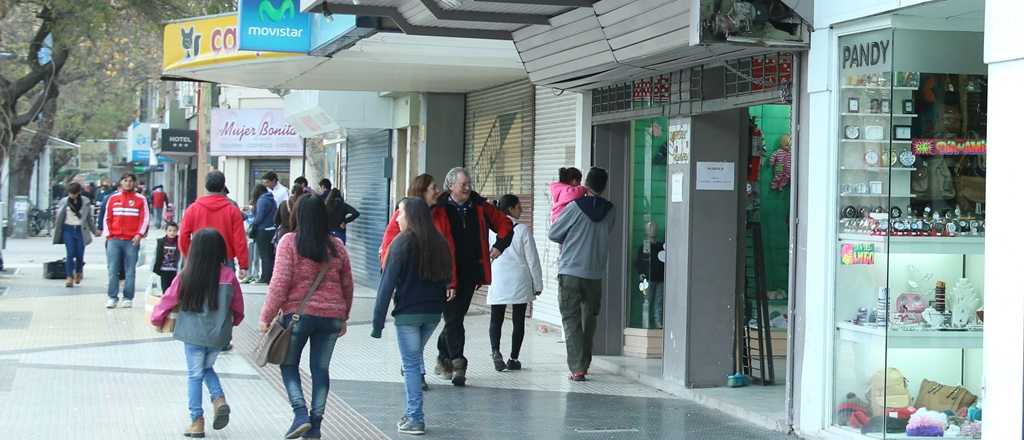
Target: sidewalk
69,368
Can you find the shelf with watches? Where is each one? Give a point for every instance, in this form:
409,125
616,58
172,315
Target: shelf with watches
877,195
915,339
882,115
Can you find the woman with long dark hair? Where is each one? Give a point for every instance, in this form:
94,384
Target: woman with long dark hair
263,229
74,228
339,214
309,260
516,282
417,273
209,300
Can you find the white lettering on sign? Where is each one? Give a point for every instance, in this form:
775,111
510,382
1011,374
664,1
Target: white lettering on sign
275,32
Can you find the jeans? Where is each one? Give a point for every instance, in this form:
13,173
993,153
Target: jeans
452,340
74,244
121,255
157,214
518,327
200,361
266,251
322,333
411,340
579,300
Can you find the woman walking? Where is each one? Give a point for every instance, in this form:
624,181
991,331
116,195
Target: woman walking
209,300
417,273
517,281
263,229
339,214
309,260
74,229
423,187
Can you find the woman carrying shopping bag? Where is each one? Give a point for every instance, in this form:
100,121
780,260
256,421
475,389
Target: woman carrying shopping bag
74,229
417,273
517,281
306,257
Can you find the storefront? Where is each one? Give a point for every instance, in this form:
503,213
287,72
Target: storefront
903,235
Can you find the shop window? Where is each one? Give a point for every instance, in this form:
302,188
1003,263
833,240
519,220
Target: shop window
647,223
909,268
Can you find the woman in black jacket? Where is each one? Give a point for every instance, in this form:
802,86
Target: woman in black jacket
339,214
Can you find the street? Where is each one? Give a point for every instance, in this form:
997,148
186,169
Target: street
69,368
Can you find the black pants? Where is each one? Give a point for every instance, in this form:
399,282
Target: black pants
518,327
266,250
452,340
165,280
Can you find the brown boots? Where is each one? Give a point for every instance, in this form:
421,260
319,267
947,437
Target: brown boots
69,282
78,278
197,429
220,411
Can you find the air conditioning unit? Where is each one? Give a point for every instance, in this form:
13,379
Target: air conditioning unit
186,96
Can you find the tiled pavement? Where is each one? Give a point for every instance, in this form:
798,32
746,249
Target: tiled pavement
71,369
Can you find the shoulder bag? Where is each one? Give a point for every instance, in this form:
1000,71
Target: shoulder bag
273,346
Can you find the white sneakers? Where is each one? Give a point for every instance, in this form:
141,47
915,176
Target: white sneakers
125,304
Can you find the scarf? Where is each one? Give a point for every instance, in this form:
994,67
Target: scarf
76,205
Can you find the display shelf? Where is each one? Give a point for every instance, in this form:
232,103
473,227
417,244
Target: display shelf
877,88
882,115
876,196
877,169
877,336
968,245
877,141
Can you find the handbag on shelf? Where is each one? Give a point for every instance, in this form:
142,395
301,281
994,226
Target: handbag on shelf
938,397
273,346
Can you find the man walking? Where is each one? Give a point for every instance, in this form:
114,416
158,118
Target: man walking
470,216
159,198
126,221
276,188
582,230
217,211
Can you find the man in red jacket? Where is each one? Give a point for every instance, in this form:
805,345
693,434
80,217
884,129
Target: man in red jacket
217,211
125,223
159,198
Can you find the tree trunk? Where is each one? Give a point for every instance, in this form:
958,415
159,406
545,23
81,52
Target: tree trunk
25,159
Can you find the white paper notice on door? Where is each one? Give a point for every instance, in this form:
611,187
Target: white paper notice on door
677,187
716,176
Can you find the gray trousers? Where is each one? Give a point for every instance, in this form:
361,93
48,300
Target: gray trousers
579,300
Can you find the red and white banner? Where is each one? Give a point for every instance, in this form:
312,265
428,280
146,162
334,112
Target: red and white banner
253,132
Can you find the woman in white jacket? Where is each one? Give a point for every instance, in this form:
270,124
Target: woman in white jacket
516,280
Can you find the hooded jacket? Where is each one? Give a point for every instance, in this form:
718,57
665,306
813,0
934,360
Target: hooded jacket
440,220
488,218
218,212
127,215
562,194
266,209
583,230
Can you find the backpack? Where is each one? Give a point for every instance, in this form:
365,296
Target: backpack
888,389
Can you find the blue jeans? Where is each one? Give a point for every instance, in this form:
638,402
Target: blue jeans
411,340
322,333
74,244
200,361
121,254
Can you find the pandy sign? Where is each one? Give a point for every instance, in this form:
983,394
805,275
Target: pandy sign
273,25
206,41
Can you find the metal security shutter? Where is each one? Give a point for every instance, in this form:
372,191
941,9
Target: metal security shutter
366,186
499,145
555,147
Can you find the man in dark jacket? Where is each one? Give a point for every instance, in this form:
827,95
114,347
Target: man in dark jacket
263,225
582,229
470,217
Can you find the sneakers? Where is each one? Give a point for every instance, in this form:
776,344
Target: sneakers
126,303
111,303
514,364
407,426
221,411
196,428
499,361
459,372
300,425
578,377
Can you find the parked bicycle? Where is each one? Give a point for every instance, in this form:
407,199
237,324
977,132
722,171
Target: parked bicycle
40,222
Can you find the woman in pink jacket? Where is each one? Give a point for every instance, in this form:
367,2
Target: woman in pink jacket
301,255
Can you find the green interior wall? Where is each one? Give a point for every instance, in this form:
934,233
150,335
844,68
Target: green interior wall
774,121
649,164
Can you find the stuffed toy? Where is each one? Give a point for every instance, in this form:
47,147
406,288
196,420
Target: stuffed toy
853,412
926,423
781,162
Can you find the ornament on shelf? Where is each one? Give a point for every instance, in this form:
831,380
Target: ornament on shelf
965,302
933,318
940,296
879,317
917,279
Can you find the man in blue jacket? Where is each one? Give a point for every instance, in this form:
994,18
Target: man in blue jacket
263,226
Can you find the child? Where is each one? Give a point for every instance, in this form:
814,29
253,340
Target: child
167,256
209,302
565,190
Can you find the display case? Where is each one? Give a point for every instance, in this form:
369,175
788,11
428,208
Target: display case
909,266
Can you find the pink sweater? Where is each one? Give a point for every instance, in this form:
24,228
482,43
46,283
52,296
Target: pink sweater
170,299
562,194
293,274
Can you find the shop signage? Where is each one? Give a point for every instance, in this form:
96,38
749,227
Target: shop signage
949,147
140,142
325,30
857,254
177,141
205,41
253,132
716,176
273,25
866,54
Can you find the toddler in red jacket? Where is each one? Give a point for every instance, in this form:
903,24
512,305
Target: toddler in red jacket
566,190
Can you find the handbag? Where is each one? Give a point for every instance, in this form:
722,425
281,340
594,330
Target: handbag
273,346
938,397
252,231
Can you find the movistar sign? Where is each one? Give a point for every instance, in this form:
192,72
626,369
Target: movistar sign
273,26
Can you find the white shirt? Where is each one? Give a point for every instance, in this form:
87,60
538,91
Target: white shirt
280,194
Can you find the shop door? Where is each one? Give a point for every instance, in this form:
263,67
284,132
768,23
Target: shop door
367,182
257,168
610,151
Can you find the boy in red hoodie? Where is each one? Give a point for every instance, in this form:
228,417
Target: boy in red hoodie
126,222
566,190
217,211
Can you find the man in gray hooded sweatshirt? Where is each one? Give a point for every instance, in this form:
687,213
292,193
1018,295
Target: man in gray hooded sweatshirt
582,229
